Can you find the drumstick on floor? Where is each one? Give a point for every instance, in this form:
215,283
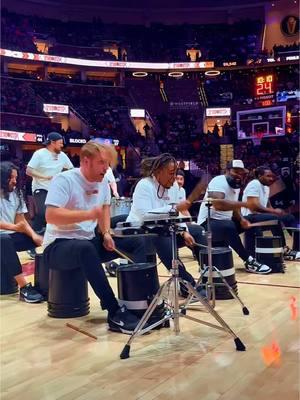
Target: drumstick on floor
123,255
81,331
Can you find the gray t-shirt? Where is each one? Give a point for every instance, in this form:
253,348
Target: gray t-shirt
10,208
71,190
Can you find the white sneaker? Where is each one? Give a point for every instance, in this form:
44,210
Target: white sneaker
252,265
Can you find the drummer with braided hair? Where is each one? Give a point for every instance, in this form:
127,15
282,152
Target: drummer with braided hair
154,193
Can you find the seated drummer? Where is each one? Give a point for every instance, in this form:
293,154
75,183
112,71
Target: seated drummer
256,194
154,193
77,201
226,219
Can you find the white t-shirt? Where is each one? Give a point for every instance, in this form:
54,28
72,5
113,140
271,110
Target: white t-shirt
10,208
71,190
145,199
218,184
255,189
48,164
182,194
109,175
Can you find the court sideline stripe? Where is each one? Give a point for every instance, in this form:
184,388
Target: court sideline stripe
253,283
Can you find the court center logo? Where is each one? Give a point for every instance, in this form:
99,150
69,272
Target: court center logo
290,25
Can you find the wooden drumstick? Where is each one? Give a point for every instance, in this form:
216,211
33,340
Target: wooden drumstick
81,331
198,189
123,255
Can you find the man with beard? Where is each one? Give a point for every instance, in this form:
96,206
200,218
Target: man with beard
42,167
15,232
226,219
256,194
78,231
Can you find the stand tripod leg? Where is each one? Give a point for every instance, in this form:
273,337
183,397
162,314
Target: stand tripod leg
224,327
139,328
232,292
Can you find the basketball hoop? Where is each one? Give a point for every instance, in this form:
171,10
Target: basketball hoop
256,138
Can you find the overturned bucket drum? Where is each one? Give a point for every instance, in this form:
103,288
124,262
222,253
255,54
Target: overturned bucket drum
269,251
137,286
222,260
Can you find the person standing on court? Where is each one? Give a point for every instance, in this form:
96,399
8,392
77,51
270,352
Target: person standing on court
42,167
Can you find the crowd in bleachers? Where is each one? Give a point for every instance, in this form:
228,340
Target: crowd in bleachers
97,40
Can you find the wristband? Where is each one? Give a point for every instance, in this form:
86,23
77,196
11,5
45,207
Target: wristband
106,232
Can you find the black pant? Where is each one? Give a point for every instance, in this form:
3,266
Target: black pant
163,246
68,254
10,244
39,222
226,232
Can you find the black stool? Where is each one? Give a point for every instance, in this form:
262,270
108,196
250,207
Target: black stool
223,261
41,275
269,251
137,286
68,294
8,284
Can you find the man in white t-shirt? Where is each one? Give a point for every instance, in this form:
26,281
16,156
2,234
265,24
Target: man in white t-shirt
155,192
77,202
226,219
42,167
112,182
15,232
256,194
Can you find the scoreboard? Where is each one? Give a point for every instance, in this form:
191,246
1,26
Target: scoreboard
264,90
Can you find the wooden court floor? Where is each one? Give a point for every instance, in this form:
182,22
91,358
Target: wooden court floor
43,359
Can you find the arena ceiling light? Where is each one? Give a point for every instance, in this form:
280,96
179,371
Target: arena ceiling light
212,73
175,74
140,74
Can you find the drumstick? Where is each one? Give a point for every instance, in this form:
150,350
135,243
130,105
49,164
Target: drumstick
264,223
81,331
123,255
202,245
198,189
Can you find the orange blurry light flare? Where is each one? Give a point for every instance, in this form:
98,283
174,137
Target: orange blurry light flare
271,353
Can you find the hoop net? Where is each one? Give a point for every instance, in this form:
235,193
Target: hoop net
256,138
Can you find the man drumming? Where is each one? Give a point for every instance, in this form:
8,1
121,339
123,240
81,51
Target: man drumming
226,219
77,201
154,193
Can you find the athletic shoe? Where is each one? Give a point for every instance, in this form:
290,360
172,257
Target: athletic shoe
123,321
30,295
31,253
256,267
291,255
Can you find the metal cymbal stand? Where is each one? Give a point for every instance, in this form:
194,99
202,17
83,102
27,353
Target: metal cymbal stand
173,311
211,269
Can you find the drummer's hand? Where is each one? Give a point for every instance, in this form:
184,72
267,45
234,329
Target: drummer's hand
116,195
183,205
188,238
245,224
108,242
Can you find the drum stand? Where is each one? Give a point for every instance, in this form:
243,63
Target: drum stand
173,311
210,268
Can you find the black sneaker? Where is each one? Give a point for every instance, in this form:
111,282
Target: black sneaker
29,294
123,321
31,253
256,267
